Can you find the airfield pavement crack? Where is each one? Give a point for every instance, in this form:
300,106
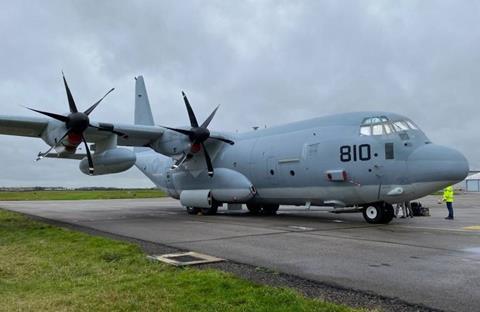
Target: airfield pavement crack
312,289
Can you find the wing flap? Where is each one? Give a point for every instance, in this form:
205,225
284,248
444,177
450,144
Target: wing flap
66,156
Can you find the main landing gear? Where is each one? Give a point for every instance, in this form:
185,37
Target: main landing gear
204,211
266,210
255,209
378,213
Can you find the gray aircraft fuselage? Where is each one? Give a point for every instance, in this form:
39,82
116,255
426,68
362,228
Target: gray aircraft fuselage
364,160
321,161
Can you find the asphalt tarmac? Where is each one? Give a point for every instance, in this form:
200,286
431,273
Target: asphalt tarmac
425,260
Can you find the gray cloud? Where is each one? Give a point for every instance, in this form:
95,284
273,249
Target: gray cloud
265,62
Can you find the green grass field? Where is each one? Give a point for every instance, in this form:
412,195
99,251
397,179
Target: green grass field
78,195
45,268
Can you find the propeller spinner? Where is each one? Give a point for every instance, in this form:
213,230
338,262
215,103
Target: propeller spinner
198,135
76,123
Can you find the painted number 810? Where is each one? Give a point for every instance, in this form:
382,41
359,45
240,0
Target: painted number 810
353,152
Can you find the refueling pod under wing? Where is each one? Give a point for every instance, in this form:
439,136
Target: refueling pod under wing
110,161
226,186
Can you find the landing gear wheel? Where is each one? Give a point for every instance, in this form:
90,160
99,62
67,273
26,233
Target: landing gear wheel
192,210
254,209
270,210
204,211
373,213
209,211
388,213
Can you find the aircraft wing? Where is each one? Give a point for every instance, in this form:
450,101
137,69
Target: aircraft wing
135,135
22,126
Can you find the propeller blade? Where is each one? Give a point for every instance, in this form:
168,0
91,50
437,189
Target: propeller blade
182,131
208,160
89,156
42,155
52,115
71,102
88,111
222,139
191,114
209,119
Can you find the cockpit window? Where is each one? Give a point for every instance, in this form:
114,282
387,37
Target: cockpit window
365,130
377,129
380,125
412,125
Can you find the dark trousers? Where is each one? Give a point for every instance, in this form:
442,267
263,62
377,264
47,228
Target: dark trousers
450,209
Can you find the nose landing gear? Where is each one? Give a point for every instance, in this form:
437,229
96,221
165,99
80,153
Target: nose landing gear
378,213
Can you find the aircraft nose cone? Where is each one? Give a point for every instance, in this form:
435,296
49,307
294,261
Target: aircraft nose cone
430,163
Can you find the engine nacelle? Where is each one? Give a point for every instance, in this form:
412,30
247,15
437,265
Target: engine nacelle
172,143
196,198
111,161
226,186
53,132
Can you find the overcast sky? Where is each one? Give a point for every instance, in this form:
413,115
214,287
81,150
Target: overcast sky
265,62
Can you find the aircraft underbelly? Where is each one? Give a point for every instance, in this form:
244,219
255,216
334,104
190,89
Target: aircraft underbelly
318,195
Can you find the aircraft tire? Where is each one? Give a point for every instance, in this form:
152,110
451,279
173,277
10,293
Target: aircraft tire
209,211
374,213
192,210
388,213
270,210
204,211
254,209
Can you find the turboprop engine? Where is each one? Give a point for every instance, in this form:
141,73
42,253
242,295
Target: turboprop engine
110,161
171,144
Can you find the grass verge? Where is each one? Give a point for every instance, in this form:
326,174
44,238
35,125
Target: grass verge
79,195
45,268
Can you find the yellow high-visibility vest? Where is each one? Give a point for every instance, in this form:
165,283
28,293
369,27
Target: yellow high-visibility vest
448,194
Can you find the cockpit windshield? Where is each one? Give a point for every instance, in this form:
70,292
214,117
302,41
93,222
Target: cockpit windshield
380,125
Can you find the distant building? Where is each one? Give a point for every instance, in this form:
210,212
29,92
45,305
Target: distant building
472,183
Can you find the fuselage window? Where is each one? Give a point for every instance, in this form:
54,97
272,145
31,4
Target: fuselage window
388,150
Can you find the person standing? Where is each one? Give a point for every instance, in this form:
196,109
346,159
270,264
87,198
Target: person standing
406,210
448,199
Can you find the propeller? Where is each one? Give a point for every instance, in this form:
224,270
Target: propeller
76,123
198,135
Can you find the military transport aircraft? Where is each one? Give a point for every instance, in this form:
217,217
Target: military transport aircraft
362,161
